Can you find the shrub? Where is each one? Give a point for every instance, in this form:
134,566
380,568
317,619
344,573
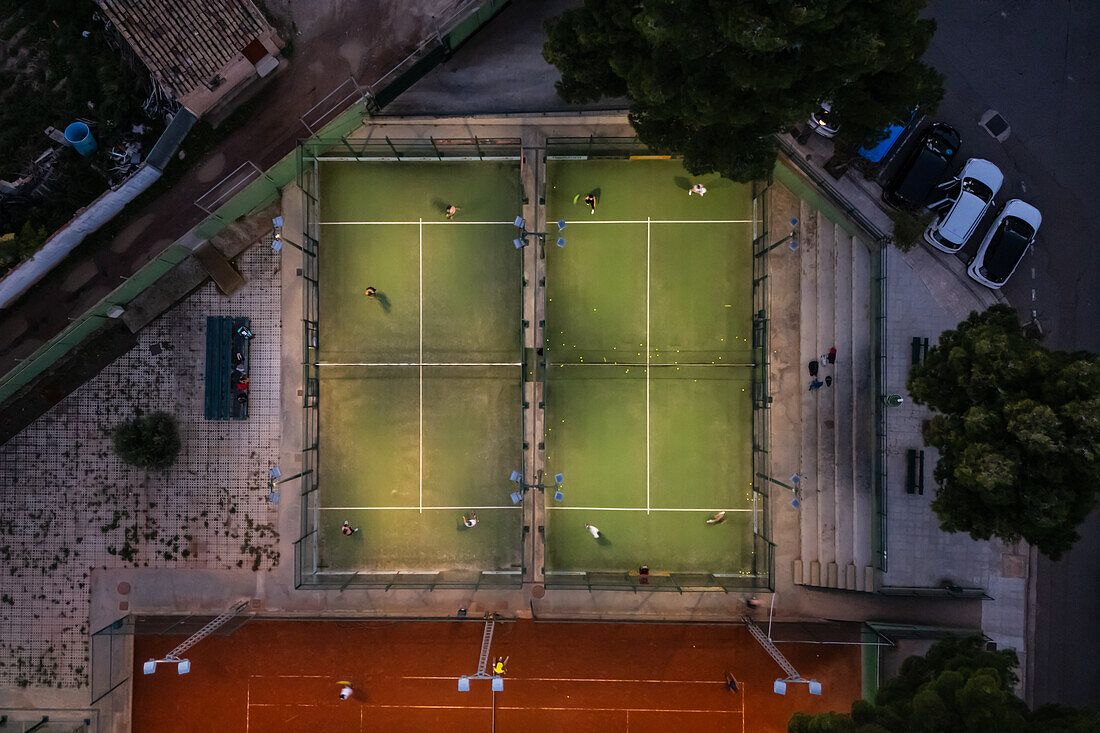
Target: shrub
909,228
149,441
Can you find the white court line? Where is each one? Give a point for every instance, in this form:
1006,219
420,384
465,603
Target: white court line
419,363
578,679
421,508
579,221
647,243
659,221
385,706
421,276
647,510
410,223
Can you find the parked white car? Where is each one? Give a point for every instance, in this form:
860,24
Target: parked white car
823,121
1005,244
979,181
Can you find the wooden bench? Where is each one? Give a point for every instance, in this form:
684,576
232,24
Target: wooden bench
914,472
920,349
223,343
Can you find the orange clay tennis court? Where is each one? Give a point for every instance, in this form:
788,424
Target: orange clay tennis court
282,676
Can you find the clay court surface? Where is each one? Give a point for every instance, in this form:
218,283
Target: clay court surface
282,676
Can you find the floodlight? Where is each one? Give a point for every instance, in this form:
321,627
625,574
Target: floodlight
277,221
277,245
274,473
184,666
780,687
498,684
793,246
561,242
516,476
559,478
149,667
794,221
463,684
521,222
561,224
519,243
815,687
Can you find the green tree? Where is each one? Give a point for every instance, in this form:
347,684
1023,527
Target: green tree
1017,429
148,441
959,686
714,80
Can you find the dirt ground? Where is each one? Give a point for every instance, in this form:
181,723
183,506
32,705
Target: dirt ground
284,675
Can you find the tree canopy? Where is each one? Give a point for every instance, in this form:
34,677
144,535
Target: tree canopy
714,80
959,686
148,441
1017,429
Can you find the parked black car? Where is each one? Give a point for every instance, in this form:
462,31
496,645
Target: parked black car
923,169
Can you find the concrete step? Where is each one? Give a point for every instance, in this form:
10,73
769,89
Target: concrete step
864,395
824,397
808,519
844,407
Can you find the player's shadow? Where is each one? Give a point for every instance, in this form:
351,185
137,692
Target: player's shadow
597,192
383,301
682,183
441,206
603,541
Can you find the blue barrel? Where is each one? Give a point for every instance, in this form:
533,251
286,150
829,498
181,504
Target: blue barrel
80,137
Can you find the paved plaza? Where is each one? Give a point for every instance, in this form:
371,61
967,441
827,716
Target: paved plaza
72,506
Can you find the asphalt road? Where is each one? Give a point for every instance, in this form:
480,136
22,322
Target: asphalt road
1037,64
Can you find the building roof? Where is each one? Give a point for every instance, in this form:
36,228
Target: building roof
186,43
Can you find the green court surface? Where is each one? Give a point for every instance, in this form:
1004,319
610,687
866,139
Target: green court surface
420,387
658,283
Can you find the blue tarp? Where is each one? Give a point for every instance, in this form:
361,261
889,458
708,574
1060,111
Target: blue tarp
879,152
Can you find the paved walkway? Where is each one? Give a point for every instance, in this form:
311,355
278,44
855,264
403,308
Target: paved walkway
921,554
71,506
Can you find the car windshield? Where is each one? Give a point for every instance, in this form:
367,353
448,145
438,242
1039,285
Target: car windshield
976,187
1007,246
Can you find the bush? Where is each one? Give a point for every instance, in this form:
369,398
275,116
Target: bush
909,228
149,441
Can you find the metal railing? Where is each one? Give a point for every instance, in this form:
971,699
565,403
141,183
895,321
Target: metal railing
763,547
669,582
761,573
385,148
879,546
309,568
565,148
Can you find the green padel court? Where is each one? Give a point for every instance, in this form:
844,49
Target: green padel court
647,395
420,386
648,380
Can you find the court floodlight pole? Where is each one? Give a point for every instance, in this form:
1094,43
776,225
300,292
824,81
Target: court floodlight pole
780,685
183,666
792,238
483,660
521,224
